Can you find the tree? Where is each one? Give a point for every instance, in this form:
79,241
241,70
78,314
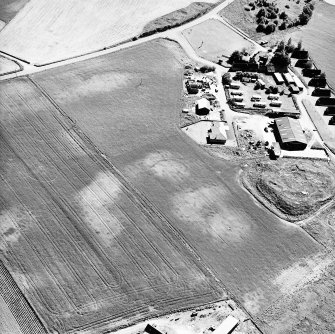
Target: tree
226,79
283,25
283,16
260,27
281,46
304,18
323,75
261,13
307,10
289,48
281,59
299,46
236,56
270,28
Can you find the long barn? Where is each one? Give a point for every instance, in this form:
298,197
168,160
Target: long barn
290,134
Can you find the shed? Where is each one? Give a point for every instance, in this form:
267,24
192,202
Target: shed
290,134
235,85
298,83
300,54
325,101
288,78
311,72
294,89
304,63
278,78
321,92
217,134
151,330
330,111
261,82
318,82
202,107
227,326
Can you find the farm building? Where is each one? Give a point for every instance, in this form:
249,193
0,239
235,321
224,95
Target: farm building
298,83
318,82
288,78
304,63
321,92
294,89
300,54
193,87
227,326
290,134
277,112
311,72
278,78
217,134
202,107
261,83
151,330
236,92
325,101
235,85
330,111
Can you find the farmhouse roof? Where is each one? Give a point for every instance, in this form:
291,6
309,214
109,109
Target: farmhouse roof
216,132
203,103
290,130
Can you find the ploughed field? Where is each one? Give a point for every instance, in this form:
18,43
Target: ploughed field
128,104
48,31
87,250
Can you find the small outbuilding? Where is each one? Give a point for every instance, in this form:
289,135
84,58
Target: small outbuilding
278,78
288,78
217,134
290,134
202,107
300,54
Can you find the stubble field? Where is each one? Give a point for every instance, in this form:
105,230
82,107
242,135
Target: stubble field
48,31
88,250
133,119
9,8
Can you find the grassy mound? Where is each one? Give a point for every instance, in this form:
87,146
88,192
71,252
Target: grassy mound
293,188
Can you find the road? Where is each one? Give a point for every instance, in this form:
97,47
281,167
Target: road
172,33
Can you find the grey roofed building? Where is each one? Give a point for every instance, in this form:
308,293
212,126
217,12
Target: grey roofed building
291,135
216,134
202,107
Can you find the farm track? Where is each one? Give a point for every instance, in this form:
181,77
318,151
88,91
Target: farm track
23,313
37,137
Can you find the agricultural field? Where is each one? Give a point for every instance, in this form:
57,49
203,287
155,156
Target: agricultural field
67,29
213,40
296,188
8,66
9,8
85,247
128,104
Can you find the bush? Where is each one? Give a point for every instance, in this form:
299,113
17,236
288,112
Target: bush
276,22
287,6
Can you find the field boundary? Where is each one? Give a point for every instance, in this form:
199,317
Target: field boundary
22,310
14,61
